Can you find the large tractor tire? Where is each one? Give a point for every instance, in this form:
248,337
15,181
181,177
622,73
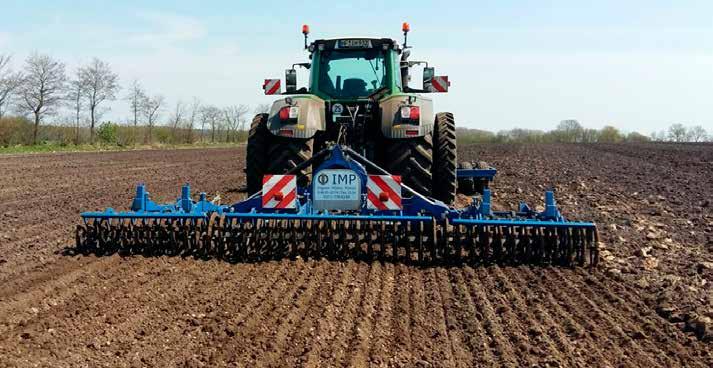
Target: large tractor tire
269,154
287,153
444,158
412,158
256,161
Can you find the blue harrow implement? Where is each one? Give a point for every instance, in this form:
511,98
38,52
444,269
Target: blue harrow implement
351,209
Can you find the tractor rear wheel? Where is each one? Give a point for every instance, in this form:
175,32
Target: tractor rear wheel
257,159
444,158
412,158
287,153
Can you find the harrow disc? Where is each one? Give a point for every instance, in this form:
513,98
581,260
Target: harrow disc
146,236
523,245
263,239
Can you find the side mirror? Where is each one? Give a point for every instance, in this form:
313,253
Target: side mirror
291,80
272,87
428,77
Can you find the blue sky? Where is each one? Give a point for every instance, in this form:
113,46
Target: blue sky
639,65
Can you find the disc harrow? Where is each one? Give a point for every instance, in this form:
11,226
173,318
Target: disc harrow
326,222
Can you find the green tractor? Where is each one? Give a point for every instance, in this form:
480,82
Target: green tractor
359,96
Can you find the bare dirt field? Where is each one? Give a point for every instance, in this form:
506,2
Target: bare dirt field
649,304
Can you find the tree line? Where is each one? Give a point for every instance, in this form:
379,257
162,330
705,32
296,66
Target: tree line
571,131
43,88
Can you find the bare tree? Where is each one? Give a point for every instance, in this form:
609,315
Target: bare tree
151,107
235,118
212,116
136,98
9,81
177,118
100,84
42,88
658,136
697,134
262,109
192,117
75,92
677,133
569,131
205,119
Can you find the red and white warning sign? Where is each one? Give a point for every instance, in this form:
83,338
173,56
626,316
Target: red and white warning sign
440,83
383,192
271,86
279,191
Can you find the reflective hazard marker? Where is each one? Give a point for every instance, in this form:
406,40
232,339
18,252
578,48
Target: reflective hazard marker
440,83
279,191
271,86
383,192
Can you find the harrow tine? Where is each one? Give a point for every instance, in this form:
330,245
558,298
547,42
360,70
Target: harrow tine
408,240
237,239
382,241
395,242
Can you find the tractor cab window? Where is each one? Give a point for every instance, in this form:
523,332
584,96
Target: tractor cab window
351,73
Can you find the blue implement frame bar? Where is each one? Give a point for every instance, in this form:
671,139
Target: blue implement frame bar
488,174
416,207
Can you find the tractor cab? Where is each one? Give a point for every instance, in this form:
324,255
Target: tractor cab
357,68
354,68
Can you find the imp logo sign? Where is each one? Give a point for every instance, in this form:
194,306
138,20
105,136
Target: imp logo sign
337,189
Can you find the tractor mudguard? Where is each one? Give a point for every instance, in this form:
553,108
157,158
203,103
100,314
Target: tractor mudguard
392,125
310,117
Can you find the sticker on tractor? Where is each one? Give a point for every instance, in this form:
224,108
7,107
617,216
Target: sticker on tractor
383,192
336,189
337,109
440,83
271,86
279,191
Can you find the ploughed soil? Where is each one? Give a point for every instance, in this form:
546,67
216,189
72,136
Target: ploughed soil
649,303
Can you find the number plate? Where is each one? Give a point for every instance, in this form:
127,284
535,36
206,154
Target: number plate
336,189
354,44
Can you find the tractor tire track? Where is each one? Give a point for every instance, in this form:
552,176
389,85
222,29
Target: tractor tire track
326,330
380,347
470,322
302,315
443,356
499,344
364,331
450,311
